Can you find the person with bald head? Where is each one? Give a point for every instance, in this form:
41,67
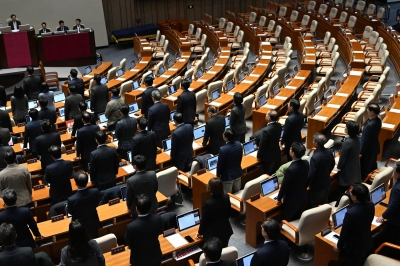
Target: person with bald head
269,152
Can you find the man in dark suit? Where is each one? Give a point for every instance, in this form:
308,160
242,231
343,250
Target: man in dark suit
43,29
46,113
58,175
5,135
78,25
319,175
14,23
212,252
355,237
32,84
11,254
397,25
370,141
62,26
104,163
32,131
269,152
3,150
82,205
144,143
293,125
77,82
143,182
158,118
215,127
20,217
124,132
98,96
78,123
72,103
273,252
44,142
182,144
186,103
147,100
229,163
142,235
85,140
294,185
5,120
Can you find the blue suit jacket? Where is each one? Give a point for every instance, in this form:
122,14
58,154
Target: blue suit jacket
32,131
181,144
85,141
392,212
229,161
58,174
274,253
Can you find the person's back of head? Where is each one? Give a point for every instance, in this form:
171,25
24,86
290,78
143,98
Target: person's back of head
361,192
148,81
178,118
295,104
18,92
82,106
115,92
45,125
374,108
237,98
156,95
72,89
143,204
10,156
228,134
320,140
45,87
273,115
211,109
81,179
140,162
30,70
142,123
86,117
55,151
298,149
185,84
212,249
352,128
43,102
216,186
8,234
73,73
101,137
97,78
9,196
124,109
271,229
79,248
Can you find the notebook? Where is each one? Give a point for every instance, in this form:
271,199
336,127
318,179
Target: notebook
61,111
161,70
199,73
171,115
276,90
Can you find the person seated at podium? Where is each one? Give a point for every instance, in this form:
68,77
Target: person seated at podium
14,23
212,252
43,29
32,84
396,26
78,25
62,26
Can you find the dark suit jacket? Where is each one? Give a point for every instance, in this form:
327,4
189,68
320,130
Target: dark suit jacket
3,149
392,212
72,105
78,122
32,131
182,143
225,263
215,127
79,86
142,237
229,161
5,120
186,105
356,236
46,113
43,143
158,119
144,143
104,165
21,256
3,96
58,174
147,101
85,141
144,182
32,86
237,122
269,151
5,136
43,31
321,165
65,28
215,219
370,137
294,190
99,98
82,205
274,253
349,162
81,26
20,217
11,24
292,129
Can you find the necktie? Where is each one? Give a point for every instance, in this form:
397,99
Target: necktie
62,28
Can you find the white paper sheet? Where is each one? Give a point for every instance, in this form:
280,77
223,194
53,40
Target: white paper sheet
299,77
280,97
195,145
395,110
214,172
320,117
273,196
121,79
128,168
176,240
331,237
388,125
290,87
341,94
270,106
374,222
336,106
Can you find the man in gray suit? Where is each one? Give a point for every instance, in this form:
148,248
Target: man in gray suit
143,182
72,103
112,110
32,84
98,96
18,178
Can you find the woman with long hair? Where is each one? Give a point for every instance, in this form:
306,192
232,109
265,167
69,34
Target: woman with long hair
19,105
81,250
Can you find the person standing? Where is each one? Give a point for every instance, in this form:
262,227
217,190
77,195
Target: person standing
144,143
147,100
124,132
269,152
212,251
5,120
32,84
86,141
229,163
78,123
46,113
98,96
181,144
186,103
3,150
113,109
47,93
44,142
215,128
158,118
77,82
72,103
237,122
19,105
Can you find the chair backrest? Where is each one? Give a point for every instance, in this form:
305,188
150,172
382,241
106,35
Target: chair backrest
282,11
250,188
321,88
91,84
262,90
228,253
281,72
203,40
191,29
163,90
328,75
309,105
384,57
165,47
381,12
338,2
227,78
322,9
359,116
236,32
212,87
349,3
335,59
333,12
200,101
371,9
272,83
287,41
167,181
373,38
262,21
313,26
252,17
162,40
125,87
360,5
376,259
294,15
112,73
144,76
311,5
278,31
198,33
189,73
248,103
331,43
157,67
382,177
107,242
311,222
378,44
327,37
344,200
240,36
305,20
165,60
122,64
229,27
302,105
367,32
343,17
177,82
221,23
271,25
352,22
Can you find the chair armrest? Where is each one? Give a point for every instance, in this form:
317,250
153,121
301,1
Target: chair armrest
191,263
237,52
296,231
391,160
386,244
319,41
236,198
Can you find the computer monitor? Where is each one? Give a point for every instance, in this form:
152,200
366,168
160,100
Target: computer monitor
120,72
276,90
88,103
188,220
104,80
249,147
161,70
215,94
61,111
88,69
338,217
32,104
150,75
99,62
167,144
270,185
135,85
212,163
262,100
139,56
123,192
199,132
171,89
132,64
129,156
133,108
26,27
245,260
378,194
337,85
317,106
328,95
199,73
59,97
295,70
242,76
227,120
230,85
171,115
103,118
287,79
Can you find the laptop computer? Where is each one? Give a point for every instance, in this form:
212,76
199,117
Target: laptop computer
123,192
133,108
32,104
135,85
59,97
167,143
198,132
270,185
242,76
249,147
378,194
262,100
161,70
338,217
317,106
230,85
132,64
328,95
88,69
104,80
120,72
61,111
171,115
103,120
215,94
245,260
212,164
188,219
276,90
287,79
199,73
172,89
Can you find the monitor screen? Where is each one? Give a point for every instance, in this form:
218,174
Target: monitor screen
135,85
150,75
161,70
99,62
287,78
230,85
317,106
378,194
133,108
241,76
249,147
129,156
212,163
269,185
120,72
61,111
199,73
227,120
132,64
176,56
188,220
262,100
337,85
215,94
103,80
139,56
167,144
103,118
276,89
88,69
328,95
88,103
172,89
245,260
199,132
295,70
59,97
32,104
171,115
338,217
123,192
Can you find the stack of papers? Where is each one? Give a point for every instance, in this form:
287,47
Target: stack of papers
176,240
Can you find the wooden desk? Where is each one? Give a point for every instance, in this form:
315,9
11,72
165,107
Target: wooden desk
390,126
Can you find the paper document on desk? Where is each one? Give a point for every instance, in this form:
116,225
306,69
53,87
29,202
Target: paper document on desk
22,146
115,143
341,94
274,196
172,98
265,43
254,154
146,48
280,97
320,117
176,240
355,73
394,110
129,168
195,145
374,222
299,77
388,125
330,105
270,106
168,152
88,76
290,87
331,237
121,79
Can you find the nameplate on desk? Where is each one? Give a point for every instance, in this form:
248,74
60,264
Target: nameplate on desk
121,79
117,250
261,34
247,81
336,106
201,171
280,98
299,77
310,55
143,62
353,40
265,43
165,76
224,56
266,57
181,60
212,72
261,64
185,42
355,73
341,94
140,89
169,232
358,60
57,218
31,161
185,56
37,187
134,70
88,76
270,106
255,197
21,125
218,64
62,132
358,52
70,152
113,201
123,163
311,61
290,87
297,29
388,125
146,48
215,104
231,93
172,98
394,110
190,89
254,75
307,41
320,117
202,80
